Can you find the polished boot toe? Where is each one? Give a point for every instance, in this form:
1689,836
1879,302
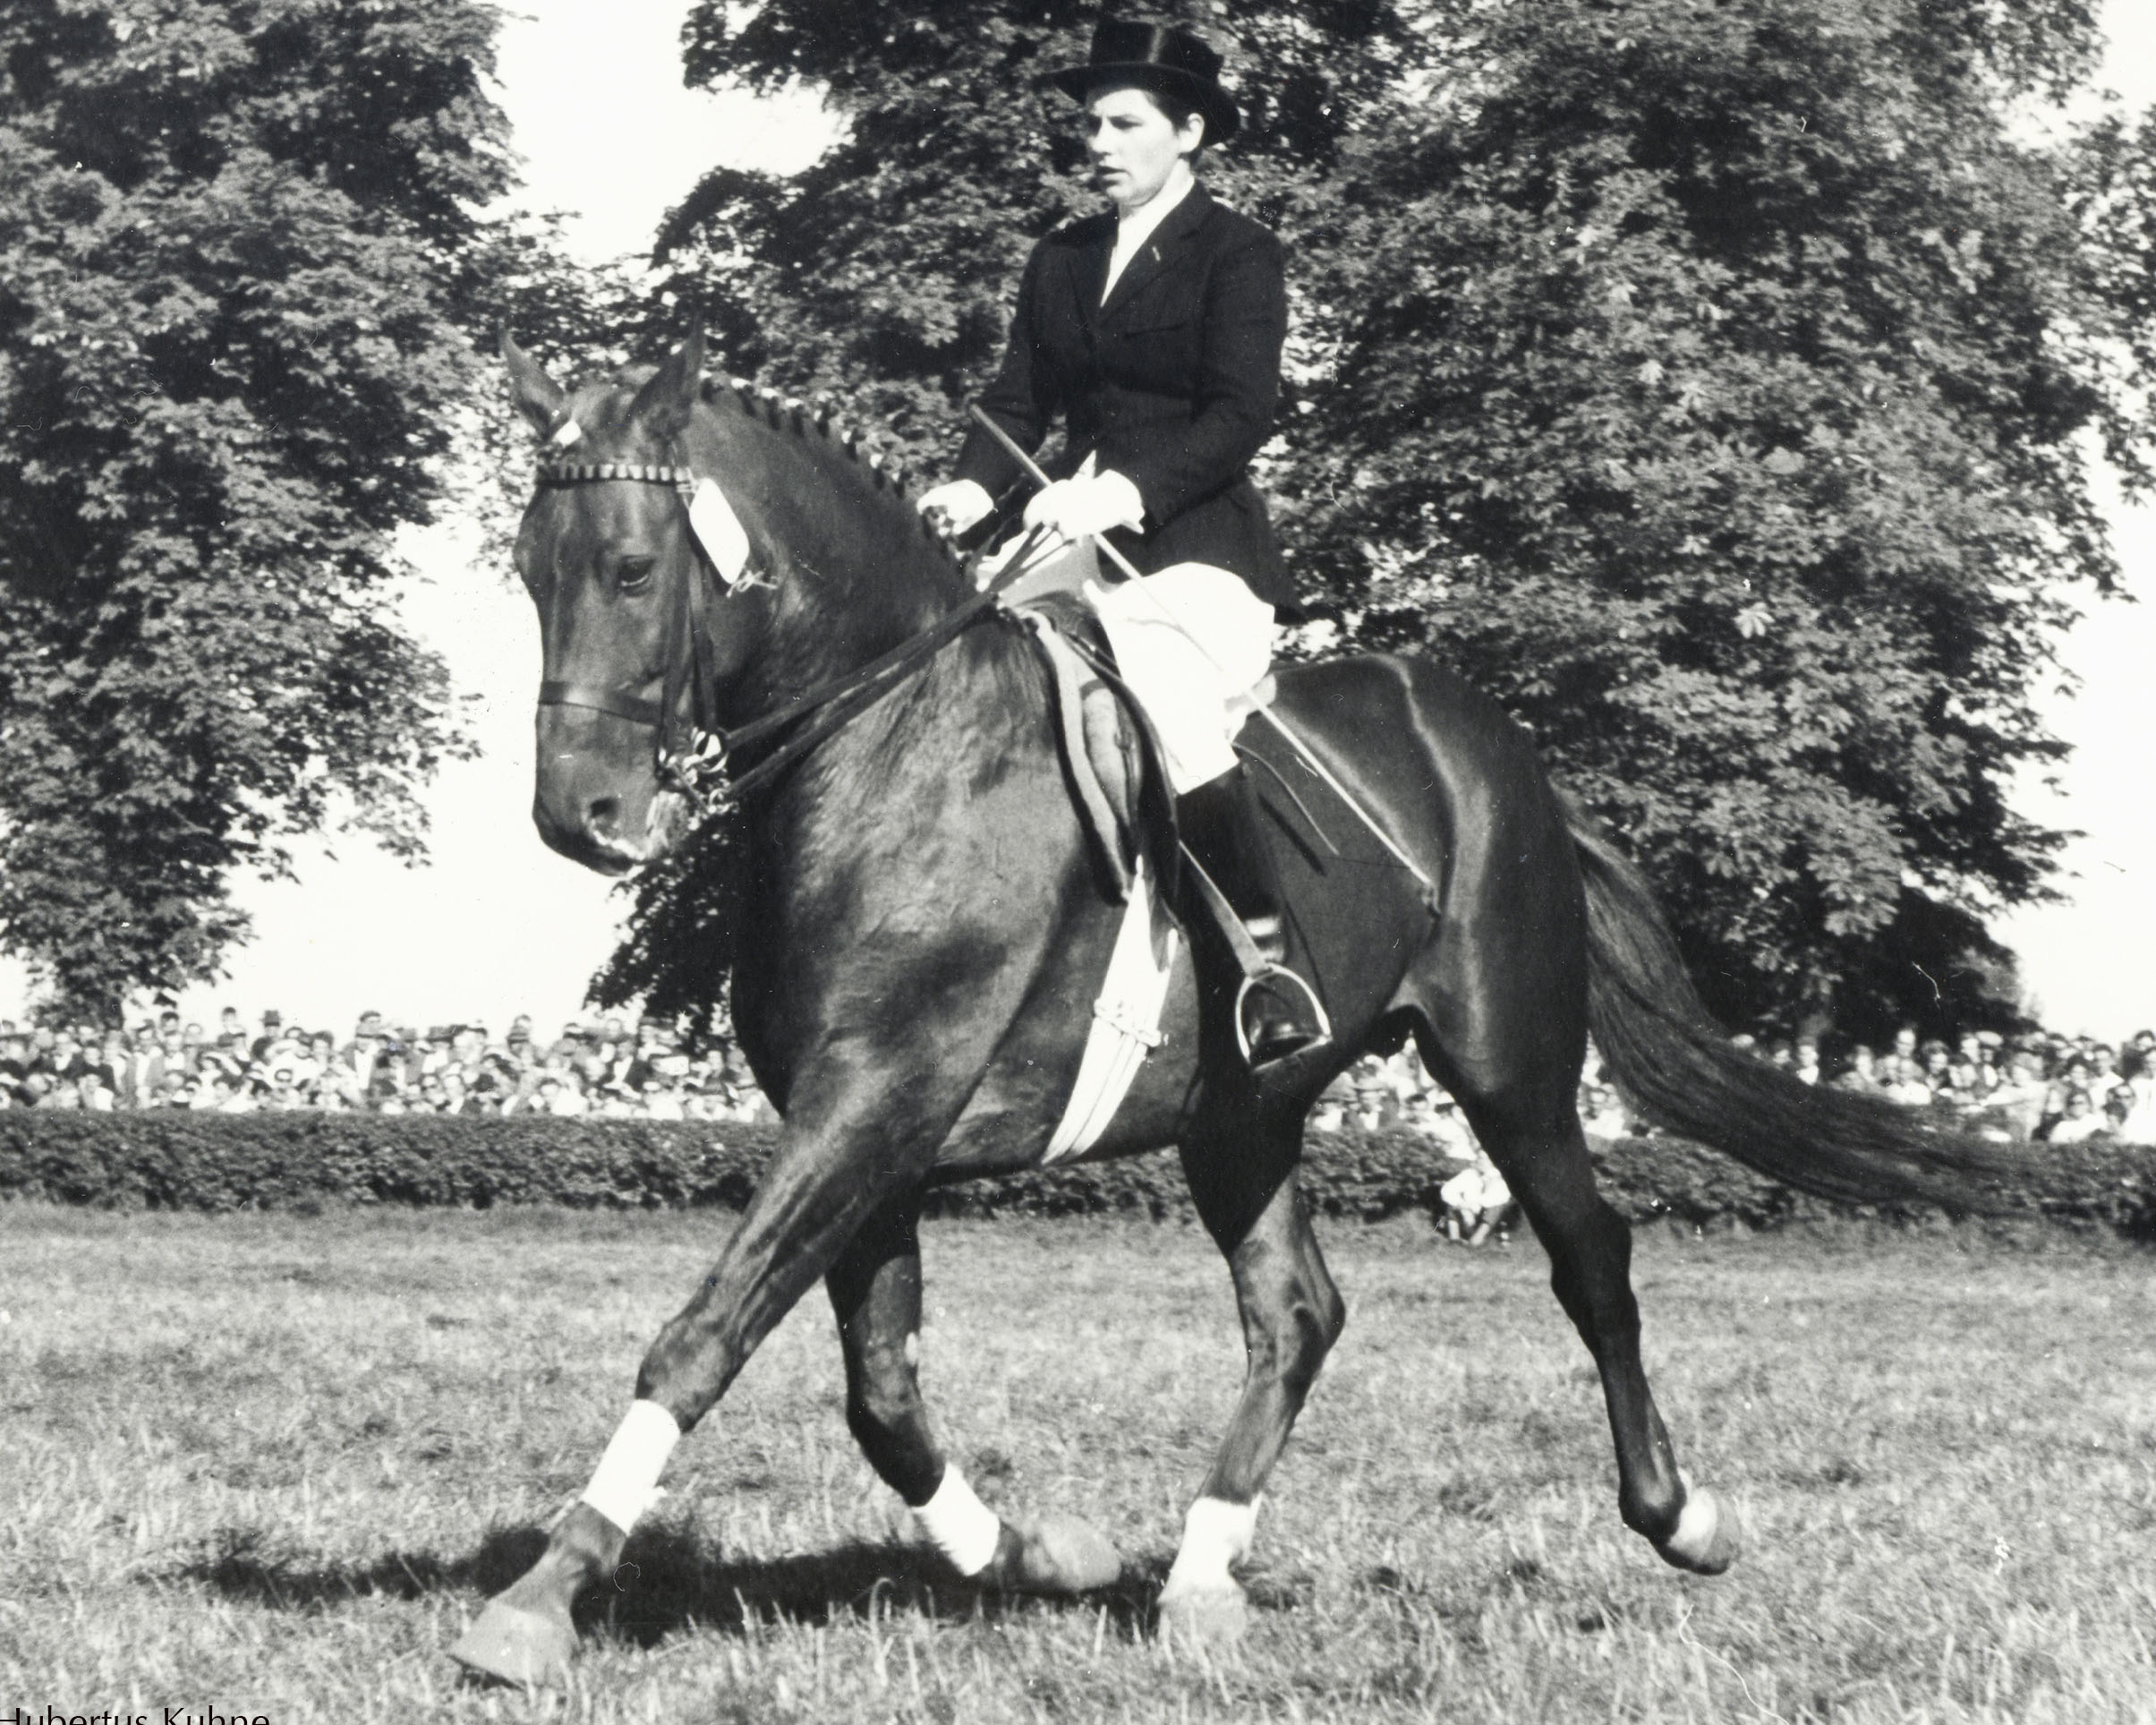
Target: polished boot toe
1275,1030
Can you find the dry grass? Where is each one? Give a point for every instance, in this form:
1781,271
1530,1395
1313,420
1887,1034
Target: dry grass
271,1465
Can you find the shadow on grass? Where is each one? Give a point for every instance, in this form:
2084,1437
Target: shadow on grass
667,1581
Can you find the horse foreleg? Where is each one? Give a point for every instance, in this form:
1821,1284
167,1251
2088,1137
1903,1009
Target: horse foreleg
875,1291
818,1190
1291,1315
1590,1250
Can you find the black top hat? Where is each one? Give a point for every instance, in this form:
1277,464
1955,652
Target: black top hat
1166,57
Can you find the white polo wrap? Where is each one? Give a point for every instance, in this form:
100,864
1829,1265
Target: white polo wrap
958,1524
625,1483
1216,1534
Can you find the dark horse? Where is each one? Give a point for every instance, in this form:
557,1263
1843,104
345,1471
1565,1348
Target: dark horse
925,932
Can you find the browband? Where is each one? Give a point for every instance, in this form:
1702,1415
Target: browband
581,473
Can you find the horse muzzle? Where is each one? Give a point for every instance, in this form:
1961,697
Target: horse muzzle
598,799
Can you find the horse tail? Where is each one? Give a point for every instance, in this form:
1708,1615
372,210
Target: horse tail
1671,1059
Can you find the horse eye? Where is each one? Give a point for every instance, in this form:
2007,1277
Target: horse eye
636,572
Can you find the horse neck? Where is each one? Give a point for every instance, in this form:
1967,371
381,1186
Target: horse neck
854,572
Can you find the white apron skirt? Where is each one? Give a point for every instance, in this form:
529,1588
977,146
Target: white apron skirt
1193,641
1196,645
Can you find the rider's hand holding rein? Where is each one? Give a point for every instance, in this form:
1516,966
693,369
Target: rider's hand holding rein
1081,507
1086,505
962,503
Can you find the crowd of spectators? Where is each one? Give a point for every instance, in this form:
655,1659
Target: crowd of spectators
609,1069
2043,1087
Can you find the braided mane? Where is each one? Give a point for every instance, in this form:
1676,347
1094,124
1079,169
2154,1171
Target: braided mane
864,448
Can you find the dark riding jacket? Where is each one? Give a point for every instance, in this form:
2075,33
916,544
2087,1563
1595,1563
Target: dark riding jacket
1172,383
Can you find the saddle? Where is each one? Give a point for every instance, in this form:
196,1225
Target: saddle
1111,757
1117,771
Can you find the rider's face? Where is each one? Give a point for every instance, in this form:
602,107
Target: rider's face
1134,146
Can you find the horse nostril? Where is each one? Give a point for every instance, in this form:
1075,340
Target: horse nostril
601,816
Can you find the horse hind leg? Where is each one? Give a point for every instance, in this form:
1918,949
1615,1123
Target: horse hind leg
1533,1133
1291,1313
875,1293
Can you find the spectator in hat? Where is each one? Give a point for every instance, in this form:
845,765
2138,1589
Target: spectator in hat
517,1044
1334,1101
273,1027
283,1095
1604,1117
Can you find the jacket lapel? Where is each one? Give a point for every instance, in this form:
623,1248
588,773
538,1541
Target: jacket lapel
1157,255
1088,266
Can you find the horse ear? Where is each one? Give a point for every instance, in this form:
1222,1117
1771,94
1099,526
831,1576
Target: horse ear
538,398
663,405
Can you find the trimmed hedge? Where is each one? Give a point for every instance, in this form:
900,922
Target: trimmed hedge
176,1160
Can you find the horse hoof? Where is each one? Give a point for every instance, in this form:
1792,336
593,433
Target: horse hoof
531,1648
1212,1619
1062,1554
1708,1535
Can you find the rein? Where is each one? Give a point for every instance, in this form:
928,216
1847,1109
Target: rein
690,762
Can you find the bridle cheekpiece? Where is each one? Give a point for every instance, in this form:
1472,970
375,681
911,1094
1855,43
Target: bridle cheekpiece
690,755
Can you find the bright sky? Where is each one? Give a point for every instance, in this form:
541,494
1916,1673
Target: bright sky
497,924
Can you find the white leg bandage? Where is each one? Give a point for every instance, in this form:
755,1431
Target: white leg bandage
961,1526
625,1483
1216,1534
1697,1524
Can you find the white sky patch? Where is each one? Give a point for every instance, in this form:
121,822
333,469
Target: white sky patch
610,135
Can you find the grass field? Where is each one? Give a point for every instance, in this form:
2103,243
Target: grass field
270,1465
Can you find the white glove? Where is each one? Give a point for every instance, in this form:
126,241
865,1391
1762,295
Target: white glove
1086,504
961,502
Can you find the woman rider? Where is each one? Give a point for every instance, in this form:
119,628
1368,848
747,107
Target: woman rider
1155,331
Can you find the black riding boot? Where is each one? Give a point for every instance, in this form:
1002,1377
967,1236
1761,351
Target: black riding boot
1220,825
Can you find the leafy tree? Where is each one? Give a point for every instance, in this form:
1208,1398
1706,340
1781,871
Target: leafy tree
885,271
1714,380
240,237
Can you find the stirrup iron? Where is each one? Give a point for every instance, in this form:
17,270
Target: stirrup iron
1270,975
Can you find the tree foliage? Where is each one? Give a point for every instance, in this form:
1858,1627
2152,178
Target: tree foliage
885,271
1714,380
241,244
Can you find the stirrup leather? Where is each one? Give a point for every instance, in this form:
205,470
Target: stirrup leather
1270,977
1258,970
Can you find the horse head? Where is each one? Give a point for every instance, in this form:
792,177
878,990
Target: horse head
695,554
